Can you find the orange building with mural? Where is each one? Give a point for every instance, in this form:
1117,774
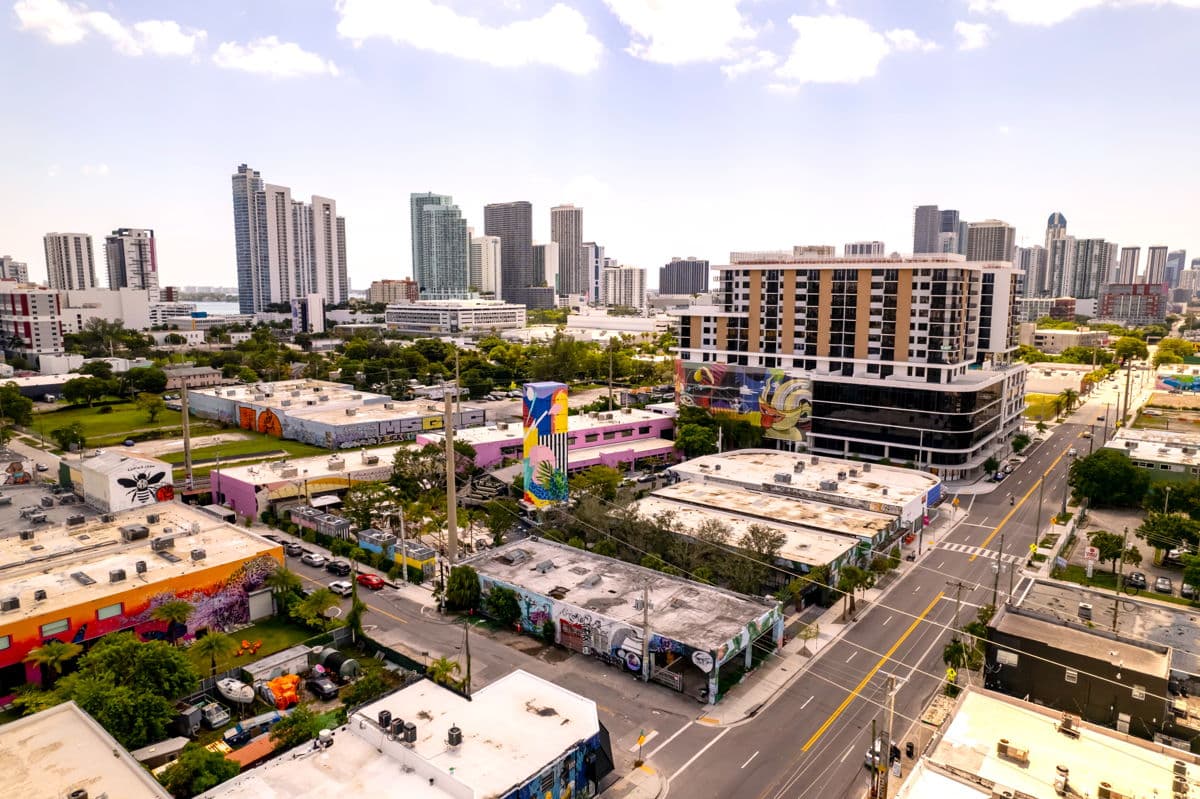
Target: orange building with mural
80,583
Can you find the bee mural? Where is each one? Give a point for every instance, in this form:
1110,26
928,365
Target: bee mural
142,487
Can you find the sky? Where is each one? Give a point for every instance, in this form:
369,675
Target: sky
681,127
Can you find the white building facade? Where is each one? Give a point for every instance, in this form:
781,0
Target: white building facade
70,263
623,286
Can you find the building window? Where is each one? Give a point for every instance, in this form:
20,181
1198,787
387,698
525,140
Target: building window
5,642
1071,676
110,611
645,431
547,781
590,437
626,433
55,627
1138,692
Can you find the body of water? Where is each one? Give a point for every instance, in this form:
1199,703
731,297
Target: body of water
218,307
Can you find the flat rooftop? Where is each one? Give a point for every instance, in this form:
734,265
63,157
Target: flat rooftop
294,392
385,410
753,468
1174,626
700,616
315,467
576,423
72,564
802,545
1086,643
511,730
578,457
964,763
62,749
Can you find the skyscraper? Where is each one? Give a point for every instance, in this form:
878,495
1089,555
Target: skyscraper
132,259
950,223
69,261
442,265
485,265
873,249
684,276
286,249
593,256
1156,265
1056,228
1032,261
927,223
623,286
566,228
1176,262
1092,264
513,223
546,267
13,270
990,240
1127,271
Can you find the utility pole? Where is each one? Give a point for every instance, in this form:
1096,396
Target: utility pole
467,654
610,373
1166,500
996,576
1128,375
887,743
646,631
1037,530
1066,485
187,431
876,756
1120,576
451,473
457,385
958,586
403,550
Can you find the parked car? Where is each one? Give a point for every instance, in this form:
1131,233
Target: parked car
1072,452
41,467
128,442
339,567
1135,580
293,549
999,476
1187,590
321,687
274,538
1085,434
372,581
341,587
1163,585
312,559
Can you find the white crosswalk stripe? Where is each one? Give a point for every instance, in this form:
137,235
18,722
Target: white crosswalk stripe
983,553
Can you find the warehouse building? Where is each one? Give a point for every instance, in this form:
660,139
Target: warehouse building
82,582
685,638
325,414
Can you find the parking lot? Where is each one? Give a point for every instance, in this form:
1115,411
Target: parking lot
1116,521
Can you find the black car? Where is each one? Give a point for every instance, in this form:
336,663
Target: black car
1135,580
274,538
321,687
293,550
339,567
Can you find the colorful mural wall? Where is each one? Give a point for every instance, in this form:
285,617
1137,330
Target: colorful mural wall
219,595
570,775
772,399
544,412
15,474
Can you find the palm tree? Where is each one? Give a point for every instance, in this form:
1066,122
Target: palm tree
283,581
314,607
957,654
51,656
174,612
442,670
214,645
1069,398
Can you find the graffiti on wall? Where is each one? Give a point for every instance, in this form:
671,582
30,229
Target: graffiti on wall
269,423
748,635
544,413
16,474
772,399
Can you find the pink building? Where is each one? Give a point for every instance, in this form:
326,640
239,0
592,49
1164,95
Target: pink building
621,439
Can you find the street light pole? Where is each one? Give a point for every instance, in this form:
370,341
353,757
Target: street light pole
1066,484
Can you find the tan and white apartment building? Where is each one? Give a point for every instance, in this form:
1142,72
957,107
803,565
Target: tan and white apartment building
900,358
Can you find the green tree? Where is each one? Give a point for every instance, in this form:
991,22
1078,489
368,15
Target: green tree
51,657
283,582
1106,478
991,464
462,590
502,514
314,609
364,689
301,725
13,406
364,503
69,435
957,654
1019,442
1112,548
175,613
1191,574
599,480
100,369
1129,347
1169,530
196,770
442,670
79,390
214,645
693,440
151,404
503,606
850,579
1069,397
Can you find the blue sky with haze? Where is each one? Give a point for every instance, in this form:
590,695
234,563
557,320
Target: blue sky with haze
682,127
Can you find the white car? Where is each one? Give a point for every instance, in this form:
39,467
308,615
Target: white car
341,587
313,559
1072,452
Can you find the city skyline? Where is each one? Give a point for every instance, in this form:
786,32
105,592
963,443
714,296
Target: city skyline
643,195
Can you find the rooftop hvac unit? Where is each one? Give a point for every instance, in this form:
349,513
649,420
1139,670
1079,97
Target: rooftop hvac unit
1085,611
116,575
356,396
544,566
195,528
866,467
107,518
1179,786
285,403
1180,769
1130,445
135,532
627,411
159,544
259,397
829,485
501,425
288,471
814,460
854,472
370,460
783,477
39,595
336,464
410,732
1189,450
396,728
1106,791
199,554
841,474
717,467
352,411
140,567
391,406
884,490
152,518
385,718
27,535
454,736
9,603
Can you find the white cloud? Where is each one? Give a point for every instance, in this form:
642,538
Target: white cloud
754,61
95,170
840,49
682,31
53,171
1052,12
972,35
269,56
1004,130
61,22
783,88
559,38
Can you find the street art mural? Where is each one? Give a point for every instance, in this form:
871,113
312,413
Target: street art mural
779,403
763,624
15,474
544,412
133,483
1178,382
571,775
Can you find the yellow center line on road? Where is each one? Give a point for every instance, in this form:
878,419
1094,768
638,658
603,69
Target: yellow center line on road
858,688
1017,507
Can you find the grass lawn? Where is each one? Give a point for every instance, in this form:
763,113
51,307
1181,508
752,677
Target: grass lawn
275,634
254,444
1039,406
9,715
107,429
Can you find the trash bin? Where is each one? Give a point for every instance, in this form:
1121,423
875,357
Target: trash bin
910,749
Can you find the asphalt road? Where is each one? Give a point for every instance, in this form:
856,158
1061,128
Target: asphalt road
812,741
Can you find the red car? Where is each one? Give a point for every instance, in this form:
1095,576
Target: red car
370,581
